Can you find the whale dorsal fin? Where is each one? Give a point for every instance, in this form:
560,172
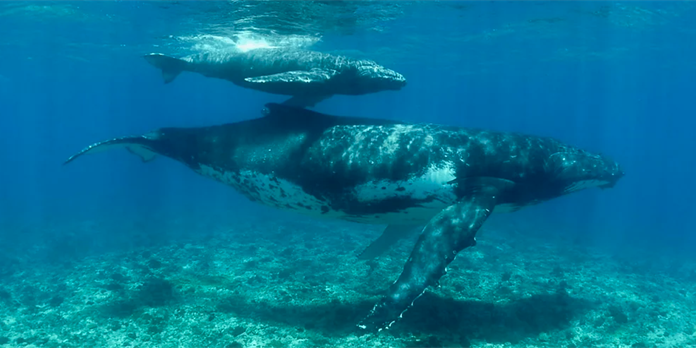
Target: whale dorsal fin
306,101
290,111
287,112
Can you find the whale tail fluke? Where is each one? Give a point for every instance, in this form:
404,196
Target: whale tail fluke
171,67
140,146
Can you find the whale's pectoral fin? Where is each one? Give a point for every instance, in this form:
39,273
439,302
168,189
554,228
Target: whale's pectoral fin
305,85
140,146
391,235
171,67
449,232
297,77
305,101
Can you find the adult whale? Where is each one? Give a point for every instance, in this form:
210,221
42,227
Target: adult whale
308,76
376,171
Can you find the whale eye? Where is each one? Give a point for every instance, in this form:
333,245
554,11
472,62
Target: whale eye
265,111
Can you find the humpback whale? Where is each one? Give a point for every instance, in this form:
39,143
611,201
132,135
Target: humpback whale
308,76
377,171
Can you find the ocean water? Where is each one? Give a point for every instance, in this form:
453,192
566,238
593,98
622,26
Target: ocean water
109,251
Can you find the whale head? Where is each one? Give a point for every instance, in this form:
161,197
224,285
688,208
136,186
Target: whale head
572,169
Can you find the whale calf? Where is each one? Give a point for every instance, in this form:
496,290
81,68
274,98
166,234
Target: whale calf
308,76
375,171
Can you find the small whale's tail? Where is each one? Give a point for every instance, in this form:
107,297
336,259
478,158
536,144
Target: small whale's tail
141,146
171,67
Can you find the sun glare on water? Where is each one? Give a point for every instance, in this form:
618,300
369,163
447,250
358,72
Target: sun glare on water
246,41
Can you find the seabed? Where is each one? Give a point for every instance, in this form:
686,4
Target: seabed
281,282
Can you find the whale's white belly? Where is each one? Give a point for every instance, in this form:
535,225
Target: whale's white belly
272,191
431,193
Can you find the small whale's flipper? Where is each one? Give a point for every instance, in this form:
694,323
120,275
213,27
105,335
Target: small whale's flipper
298,77
296,83
449,232
305,101
391,235
140,146
171,67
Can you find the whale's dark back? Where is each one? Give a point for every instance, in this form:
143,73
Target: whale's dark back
260,62
263,144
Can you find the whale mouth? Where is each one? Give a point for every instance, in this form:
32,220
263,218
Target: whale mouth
612,183
615,178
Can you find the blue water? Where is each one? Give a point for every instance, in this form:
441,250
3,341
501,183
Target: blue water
613,77
628,93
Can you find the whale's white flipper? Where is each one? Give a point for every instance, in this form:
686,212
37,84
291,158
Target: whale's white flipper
138,145
171,67
299,77
449,232
291,80
391,235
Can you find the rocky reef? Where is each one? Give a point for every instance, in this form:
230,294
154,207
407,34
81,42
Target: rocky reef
284,282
